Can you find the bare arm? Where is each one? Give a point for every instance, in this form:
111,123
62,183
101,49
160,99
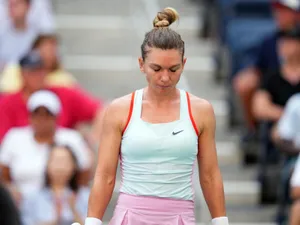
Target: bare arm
108,155
5,174
295,193
210,175
264,108
6,180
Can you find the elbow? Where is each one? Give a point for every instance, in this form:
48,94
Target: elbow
257,110
105,180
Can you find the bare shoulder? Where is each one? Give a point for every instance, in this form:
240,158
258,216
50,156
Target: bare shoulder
200,105
202,111
117,111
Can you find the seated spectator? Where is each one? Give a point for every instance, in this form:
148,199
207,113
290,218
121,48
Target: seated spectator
62,201
16,38
286,138
248,80
46,45
286,135
40,14
24,151
295,194
9,213
278,87
77,106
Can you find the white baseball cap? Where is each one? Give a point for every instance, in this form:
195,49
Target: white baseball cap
46,99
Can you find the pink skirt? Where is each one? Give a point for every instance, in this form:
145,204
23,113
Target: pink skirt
138,210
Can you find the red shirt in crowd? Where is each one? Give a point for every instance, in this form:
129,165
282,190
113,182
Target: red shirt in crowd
77,106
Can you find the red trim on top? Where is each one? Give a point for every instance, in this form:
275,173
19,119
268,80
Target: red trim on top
130,112
190,113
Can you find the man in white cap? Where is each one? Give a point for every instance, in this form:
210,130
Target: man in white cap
24,151
77,106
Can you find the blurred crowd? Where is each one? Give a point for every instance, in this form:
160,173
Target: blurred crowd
259,50
48,123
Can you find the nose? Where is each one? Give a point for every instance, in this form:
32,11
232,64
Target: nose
165,76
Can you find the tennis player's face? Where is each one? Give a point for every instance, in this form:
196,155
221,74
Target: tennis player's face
163,68
61,166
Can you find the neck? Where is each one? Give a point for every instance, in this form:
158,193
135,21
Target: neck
160,96
20,24
58,189
45,138
26,93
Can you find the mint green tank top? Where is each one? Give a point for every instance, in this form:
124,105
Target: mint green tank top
158,159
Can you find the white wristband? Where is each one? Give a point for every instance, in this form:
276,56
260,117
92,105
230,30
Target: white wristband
220,221
92,221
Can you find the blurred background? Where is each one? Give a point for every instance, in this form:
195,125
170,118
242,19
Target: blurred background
242,55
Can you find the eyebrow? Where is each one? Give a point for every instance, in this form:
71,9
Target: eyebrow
153,64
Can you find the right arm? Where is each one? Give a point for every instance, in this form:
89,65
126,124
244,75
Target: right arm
6,160
108,155
264,108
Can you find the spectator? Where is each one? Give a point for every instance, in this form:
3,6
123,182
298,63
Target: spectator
24,151
286,137
295,194
286,134
278,87
61,201
77,106
247,81
40,15
17,37
9,213
47,45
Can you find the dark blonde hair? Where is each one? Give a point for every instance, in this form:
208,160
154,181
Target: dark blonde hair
161,36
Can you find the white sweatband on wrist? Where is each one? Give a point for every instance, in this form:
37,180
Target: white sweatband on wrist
220,221
92,221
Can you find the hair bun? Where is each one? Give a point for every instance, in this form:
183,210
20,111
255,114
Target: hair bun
166,17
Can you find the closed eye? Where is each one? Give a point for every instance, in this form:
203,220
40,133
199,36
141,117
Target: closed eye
174,68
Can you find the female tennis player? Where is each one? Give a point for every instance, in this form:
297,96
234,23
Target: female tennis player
159,133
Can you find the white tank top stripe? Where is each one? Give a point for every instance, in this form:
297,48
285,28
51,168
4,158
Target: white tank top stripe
158,159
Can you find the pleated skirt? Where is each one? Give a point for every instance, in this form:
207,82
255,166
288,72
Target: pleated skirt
140,210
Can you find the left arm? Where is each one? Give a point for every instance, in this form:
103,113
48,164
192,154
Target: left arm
210,176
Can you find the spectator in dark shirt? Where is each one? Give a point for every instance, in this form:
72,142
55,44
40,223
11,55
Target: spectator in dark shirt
277,87
247,80
77,106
